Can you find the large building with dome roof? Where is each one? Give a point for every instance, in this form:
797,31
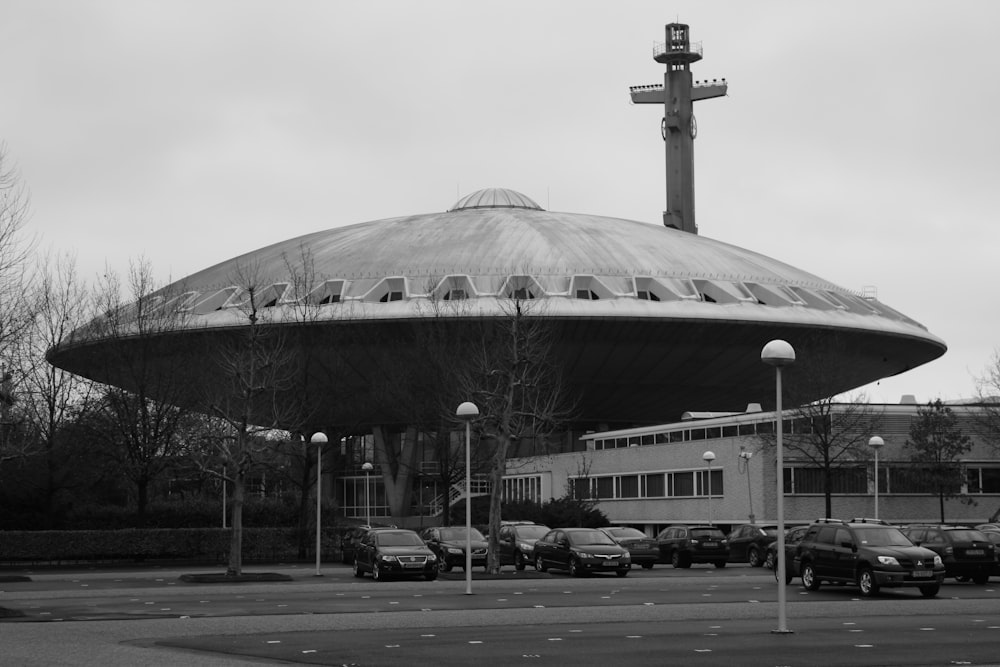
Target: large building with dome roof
648,321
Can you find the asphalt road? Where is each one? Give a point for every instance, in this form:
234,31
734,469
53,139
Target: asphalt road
700,616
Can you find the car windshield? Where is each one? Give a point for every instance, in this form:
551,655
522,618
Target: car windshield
531,532
707,533
967,536
387,539
883,536
581,537
458,534
626,533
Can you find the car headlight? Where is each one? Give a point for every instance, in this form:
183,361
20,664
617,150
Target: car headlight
626,556
455,550
524,546
887,560
938,562
386,558
431,558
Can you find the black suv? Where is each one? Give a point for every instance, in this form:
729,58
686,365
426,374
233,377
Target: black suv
967,553
869,554
682,545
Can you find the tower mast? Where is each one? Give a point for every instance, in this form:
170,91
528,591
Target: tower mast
678,127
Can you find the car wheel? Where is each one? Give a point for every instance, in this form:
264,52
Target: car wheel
621,573
377,573
443,565
539,565
980,578
358,572
788,576
753,557
647,566
431,576
574,568
930,590
675,560
771,562
867,583
519,562
720,564
809,578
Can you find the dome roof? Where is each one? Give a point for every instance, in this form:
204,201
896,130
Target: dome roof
650,321
494,198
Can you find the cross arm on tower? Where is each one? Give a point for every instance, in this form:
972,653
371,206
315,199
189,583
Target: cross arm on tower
701,90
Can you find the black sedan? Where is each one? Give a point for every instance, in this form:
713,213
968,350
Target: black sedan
449,544
581,551
644,549
394,553
793,536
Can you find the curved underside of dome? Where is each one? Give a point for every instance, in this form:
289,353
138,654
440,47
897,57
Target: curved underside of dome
651,321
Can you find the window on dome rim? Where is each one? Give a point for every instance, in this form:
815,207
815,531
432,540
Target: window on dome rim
330,298
587,294
646,295
391,296
522,293
454,295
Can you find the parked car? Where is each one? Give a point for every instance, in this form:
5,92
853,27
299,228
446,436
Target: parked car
516,544
869,555
581,551
351,537
988,526
966,552
683,545
793,536
394,552
748,543
449,543
643,549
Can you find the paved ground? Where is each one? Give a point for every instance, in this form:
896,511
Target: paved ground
143,616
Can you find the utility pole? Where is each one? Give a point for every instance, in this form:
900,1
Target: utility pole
678,127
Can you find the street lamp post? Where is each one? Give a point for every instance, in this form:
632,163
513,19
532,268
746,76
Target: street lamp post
709,456
319,439
745,456
779,353
876,443
367,467
467,412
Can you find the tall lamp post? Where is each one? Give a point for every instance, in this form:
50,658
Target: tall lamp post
319,439
709,456
876,443
467,412
367,467
779,353
745,457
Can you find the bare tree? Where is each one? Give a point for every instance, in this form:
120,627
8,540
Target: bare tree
15,310
987,415
513,379
832,437
253,370
143,434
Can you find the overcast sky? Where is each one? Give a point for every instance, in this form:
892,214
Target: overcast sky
859,140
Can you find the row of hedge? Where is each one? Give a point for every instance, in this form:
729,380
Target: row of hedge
200,544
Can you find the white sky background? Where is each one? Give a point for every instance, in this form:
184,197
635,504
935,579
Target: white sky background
859,140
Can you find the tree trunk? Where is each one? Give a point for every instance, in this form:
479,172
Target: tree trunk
235,567
496,494
141,502
306,483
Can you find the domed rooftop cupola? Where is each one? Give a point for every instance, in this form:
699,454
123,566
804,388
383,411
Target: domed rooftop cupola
494,198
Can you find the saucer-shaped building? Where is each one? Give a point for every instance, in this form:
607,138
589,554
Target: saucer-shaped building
649,321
